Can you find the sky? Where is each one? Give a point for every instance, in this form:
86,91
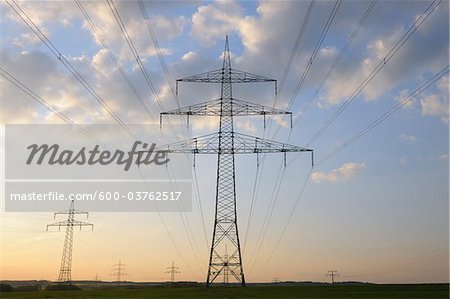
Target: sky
376,211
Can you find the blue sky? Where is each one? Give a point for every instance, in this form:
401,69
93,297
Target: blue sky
381,204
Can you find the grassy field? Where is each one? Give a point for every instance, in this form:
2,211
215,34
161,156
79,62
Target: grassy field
428,291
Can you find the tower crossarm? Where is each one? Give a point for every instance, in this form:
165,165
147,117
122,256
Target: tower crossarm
215,76
247,144
243,144
72,223
240,108
71,212
236,76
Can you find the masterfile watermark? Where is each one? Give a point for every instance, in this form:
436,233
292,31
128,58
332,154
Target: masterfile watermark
52,155
102,166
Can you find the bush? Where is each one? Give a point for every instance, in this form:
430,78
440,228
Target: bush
62,287
5,287
28,288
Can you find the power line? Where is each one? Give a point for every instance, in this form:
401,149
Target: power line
296,46
226,143
138,59
200,207
64,117
281,85
375,123
21,86
316,50
167,228
252,205
338,58
112,56
135,53
144,13
148,80
406,36
317,47
13,80
280,236
311,59
310,62
399,263
186,224
269,212
170,82
158,50
398,45
387,114
37,98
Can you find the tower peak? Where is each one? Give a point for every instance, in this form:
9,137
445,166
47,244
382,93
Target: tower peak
226,55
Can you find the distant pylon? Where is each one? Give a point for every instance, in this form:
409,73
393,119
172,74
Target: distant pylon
65,272
172,270
118,271
226,143
276,280
332,274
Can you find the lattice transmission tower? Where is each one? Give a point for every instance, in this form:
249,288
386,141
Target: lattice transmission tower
332,274
225,144
172,270
65,272
119,272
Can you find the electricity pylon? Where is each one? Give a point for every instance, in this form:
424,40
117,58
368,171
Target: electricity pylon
65,272
118,268
172,270
226,143
332,274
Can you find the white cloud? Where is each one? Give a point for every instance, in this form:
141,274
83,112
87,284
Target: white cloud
168,28
214,20
415,58
405,137
191,55
431,105
403,160
402,95
345,172
204,124
246,125
436,103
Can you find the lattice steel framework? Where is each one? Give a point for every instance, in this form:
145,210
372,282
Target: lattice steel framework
172,270
226,143
65,272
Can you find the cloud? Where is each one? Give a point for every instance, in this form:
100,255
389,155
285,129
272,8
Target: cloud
443,157
436,104
212,21
168,28
258,30
405,137
414,59
402,95
345,172
403,160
